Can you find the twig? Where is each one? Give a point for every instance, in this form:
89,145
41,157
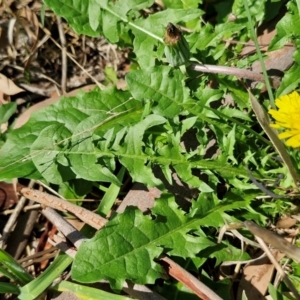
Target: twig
26,208
235,262
64,61
278,267
140,292
228,71
30,56
275,240
38,255
49,189
40,75
12,219
243,239
21,233
83,214
278,277
36,90
263,188
200,289
101,86
40,258
70,232
281,244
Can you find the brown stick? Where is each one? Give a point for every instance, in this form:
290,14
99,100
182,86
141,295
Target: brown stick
275,240
228,71
200,289
83,214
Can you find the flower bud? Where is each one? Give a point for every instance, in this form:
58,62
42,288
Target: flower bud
177,50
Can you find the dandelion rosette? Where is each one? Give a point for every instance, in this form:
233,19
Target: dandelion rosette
287,117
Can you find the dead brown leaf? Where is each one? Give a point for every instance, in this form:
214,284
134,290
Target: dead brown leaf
28,19
257,276
141,197
26,115
286,223
8,196
8,87
281,60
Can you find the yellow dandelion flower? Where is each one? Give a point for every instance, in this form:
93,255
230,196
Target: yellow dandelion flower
288,117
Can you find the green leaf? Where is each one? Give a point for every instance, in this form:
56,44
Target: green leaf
257,9
127,246
75,189
290,80
162,85
210,36
276,293
143,44
85,292
83,155
132,156
146,31
15,159
204,203
110,196
173,3
58,143
9,288
6,111
7,273
228,145
35,287
77,14
96,17
175,290
287,27
20,274
110,27
45,160
82,137
225,252
103,17
221,287
94,14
